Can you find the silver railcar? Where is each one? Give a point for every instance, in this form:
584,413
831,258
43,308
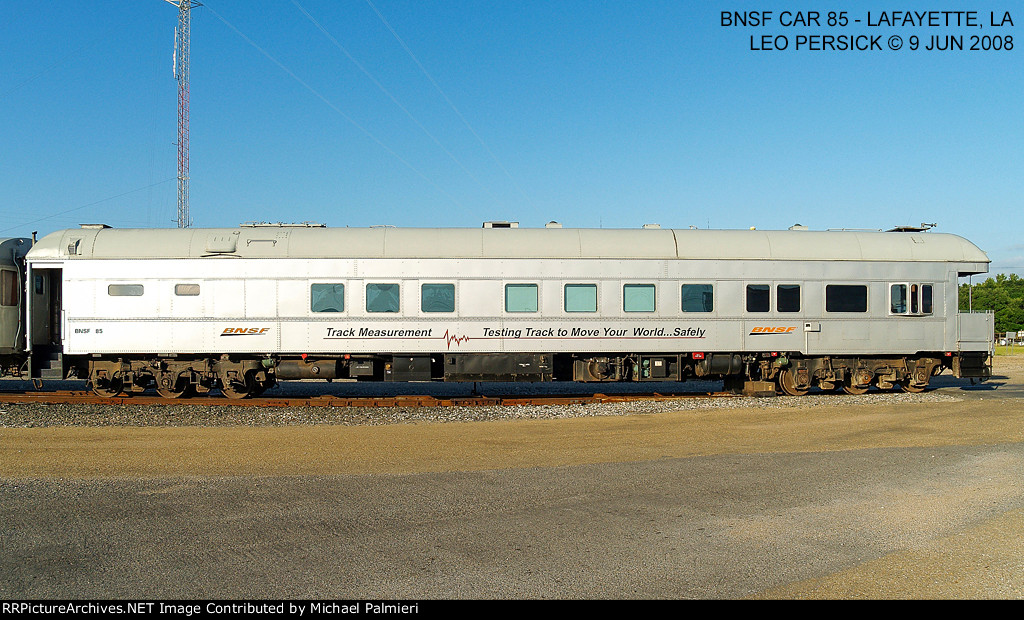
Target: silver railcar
186,310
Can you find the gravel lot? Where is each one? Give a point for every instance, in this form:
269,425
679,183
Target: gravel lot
885,495
194,412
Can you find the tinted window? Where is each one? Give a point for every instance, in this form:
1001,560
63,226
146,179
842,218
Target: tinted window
698,298
898,299
926,298
581,298
327,297
8,288
382,298
787,298
846,298
437,298
758,297
124,290
520,298
638,298
186,290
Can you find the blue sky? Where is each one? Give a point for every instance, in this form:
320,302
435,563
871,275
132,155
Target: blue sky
453,112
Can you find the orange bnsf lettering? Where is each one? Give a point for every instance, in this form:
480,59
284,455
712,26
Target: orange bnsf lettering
757,330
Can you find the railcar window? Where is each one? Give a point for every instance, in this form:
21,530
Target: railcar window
846,298
913,299
125,290
521,298
186,290
581,298
758,297
898,299
638,298
327,297
8,288
382,298
437,298
926,298
787,298
698,297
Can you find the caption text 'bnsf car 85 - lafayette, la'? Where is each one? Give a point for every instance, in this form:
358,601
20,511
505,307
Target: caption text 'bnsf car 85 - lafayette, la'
193,310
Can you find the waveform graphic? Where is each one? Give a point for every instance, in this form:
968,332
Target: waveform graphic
450,338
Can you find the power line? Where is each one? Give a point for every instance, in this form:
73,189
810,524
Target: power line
449,101
91,204
331,105
390,96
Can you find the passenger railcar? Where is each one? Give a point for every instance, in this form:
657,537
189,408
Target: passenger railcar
193,310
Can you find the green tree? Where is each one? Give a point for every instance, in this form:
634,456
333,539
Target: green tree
1003,295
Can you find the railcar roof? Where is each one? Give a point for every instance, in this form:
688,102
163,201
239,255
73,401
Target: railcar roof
388,242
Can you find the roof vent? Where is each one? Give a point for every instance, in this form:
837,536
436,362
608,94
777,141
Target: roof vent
923,227
282,225
652,226
798,227
552,224
93,226
501,224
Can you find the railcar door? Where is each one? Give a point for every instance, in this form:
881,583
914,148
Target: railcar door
44,319
11,336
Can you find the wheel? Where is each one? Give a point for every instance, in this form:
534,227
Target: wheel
907,386
107,388
235,390
787,383
855,390
180,388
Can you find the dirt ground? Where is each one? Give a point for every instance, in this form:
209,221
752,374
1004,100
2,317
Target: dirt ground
113,452
919,500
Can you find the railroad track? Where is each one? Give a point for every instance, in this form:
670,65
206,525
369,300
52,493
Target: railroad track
86,397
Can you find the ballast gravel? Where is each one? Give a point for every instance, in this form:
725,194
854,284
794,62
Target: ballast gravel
198,412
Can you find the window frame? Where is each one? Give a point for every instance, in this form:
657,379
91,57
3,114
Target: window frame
454,298
779,298
747,299
125,290
579,285
867,298
641,285
344,293
682,298
522,286
366,297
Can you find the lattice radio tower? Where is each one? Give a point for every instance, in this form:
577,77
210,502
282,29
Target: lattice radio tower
181,61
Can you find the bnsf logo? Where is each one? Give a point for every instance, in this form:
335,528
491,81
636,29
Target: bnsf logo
771,330
244,331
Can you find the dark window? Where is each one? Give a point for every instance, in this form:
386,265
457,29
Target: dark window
698,298
913,299
926,298
8,288
382,298
327,297
759,297
846,298
898,299
437,298
787,298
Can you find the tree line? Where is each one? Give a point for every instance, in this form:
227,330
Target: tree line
1003,295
